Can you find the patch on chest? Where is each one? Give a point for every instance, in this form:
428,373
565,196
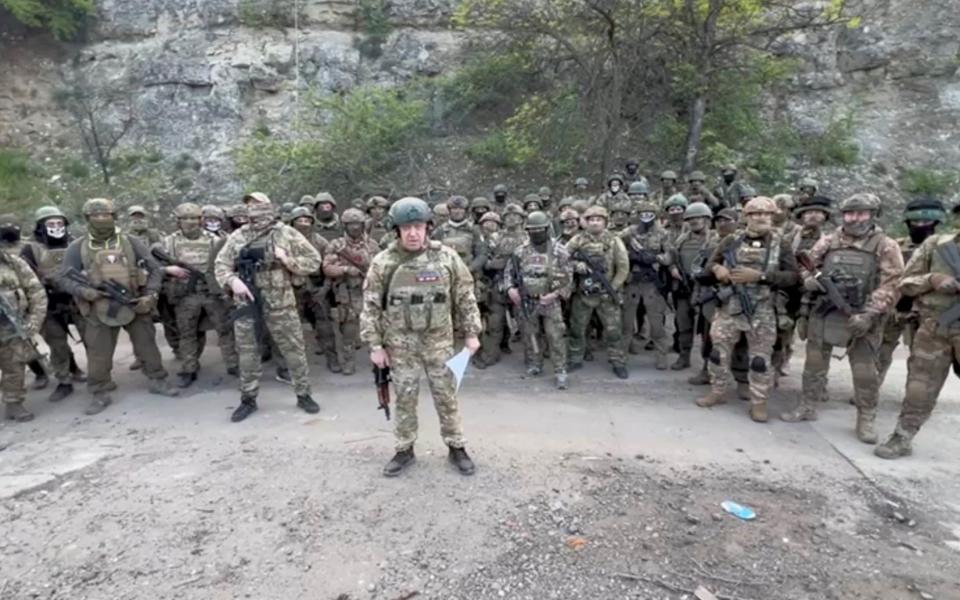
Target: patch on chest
537,259
427,277
112,258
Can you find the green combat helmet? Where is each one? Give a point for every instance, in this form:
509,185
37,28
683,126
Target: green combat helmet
623,206
49,212
544,192
537,220
646,206
458,202
729,168
409,210
696,177
924,209
136,209
300,212
480,202
514,209
581,183
676,200
377,202
697,210
187,210
861,201
308,200
668,176
353,215
565,203
638,188
808,184
325,197
97,206
209,211
746,192
532,199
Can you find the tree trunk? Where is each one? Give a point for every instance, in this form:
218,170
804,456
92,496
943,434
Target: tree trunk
698,108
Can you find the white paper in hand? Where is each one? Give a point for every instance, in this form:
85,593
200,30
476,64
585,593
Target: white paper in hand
458,365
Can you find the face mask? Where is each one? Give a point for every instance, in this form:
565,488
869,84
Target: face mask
501,198
858,229
101,230
729,177
632,169
138,224
190,229
10,234
538,237
306,230
918,234
261,215
58,232
354,230
615,187
212,226
325,212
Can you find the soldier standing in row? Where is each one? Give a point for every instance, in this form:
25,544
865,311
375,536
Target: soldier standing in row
697,191
195,294
328,222
311,290
540,275
479,206
673,214
931,279
271,252
212,220
569,225
415,292
377,219
140,228
688,256
614,193
668,187
752,265
236,217
345,264
441,214
45,255
23,302
728,190
648,249
598,255
852,275
106,255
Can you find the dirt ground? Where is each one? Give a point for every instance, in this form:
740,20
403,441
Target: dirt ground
610,490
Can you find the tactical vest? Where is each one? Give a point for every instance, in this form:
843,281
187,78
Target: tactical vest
418,294
114,261
537,270
762,255
49,261
691,250
600,249
198,254
853,270
935,302
13,297
329,231
803,243
460,237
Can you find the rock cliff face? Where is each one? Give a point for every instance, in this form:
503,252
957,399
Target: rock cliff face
202,74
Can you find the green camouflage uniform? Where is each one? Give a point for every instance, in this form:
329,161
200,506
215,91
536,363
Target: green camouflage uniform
649,251
411,304
25,295
689,253
902,321
498,305
342,254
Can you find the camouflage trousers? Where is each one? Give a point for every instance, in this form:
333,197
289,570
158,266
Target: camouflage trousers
655,308
862,354
56,335
188,311
608,310
932,354
411,353
546,325
346,323
283,326
897,325
13,362
101,342
760,333
314,307
684,320
495,329
166,309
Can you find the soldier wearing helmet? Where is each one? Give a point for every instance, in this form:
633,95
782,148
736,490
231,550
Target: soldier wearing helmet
615,192
236,216
697,191
490,227
728,188
187,256
579,192
620,212
632,172
569,225
546,201
784,217
668,187
532,203
328,223
105,254
345,264
851,276
598,256
929,285
312,292
747,193
648,250
499,198
479,206
257,265
441,214
139,227
44,253
688,255
377,226
673,211
213,218
812,215
495,340
807,189
461,234
750,268
538,278
24,295
416,292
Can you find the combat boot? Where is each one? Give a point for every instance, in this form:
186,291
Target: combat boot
41,381
348,368
333,365
574,366
98,403
620,371
711,399
307,404
561,380
662,362
248,406
400,461
803,412
63,390
701,378
897,446
16,412
136,365
162,387
233,371
865,430
758,411
635,346
743,390
185,380
649,345
78,376
682,362
283,376
460,459
534,370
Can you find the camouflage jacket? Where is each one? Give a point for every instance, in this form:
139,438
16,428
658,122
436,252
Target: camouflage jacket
926,261
610,247
22,292
542,272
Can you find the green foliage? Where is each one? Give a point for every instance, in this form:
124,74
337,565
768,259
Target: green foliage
65,19
264,14
835,146
929,182
356,140
486,88
374,22
495,150
20,180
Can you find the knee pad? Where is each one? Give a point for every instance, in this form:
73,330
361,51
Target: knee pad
715,357
758,364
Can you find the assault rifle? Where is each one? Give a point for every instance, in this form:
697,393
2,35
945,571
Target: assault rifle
746,303
835,296
527,304
195,275
596,272
117,295
950,255
10,319
248,263
381,377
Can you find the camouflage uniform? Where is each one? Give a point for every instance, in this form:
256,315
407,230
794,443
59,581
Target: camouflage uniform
689,253
24,295
930,278
197,248
768,255
105,254
411,303
327,222
868,266
668,187
497,256
467,240
377,222
728,193
673,210
273,278
345,264
609,198
649,251
542,270
138,228
697,191
590,298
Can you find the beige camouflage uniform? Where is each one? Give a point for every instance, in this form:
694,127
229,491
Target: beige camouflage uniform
23,293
